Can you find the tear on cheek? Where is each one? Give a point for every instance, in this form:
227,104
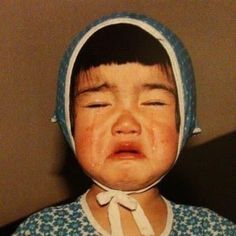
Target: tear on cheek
154,137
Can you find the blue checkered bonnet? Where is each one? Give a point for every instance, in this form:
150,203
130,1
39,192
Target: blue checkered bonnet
180,62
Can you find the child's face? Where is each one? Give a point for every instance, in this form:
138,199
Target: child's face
125,127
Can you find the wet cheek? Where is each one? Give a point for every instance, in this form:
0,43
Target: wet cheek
154,138
169,144
83,139
162,136
86,148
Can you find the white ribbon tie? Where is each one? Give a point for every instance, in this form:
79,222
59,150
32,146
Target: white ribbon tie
115,198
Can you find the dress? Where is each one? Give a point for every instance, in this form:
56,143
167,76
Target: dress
75,219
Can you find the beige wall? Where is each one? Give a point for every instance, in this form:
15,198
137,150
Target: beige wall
33,37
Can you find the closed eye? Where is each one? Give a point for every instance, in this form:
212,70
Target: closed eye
154,103
97,105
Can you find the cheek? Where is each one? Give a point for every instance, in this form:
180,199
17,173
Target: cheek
164,140
83,138
87,145
84,130
87,127
161,127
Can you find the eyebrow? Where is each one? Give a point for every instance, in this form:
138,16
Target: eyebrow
153,86
96,88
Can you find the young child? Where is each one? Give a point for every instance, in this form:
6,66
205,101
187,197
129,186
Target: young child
126,105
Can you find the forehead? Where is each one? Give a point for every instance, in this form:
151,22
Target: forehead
127,73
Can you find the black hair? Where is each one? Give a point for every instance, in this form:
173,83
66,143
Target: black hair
119,44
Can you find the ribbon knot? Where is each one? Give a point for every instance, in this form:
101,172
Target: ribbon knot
115,198
119,197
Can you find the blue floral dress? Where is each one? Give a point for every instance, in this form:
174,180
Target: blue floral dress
75,219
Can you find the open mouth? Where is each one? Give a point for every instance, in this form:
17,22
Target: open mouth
126,151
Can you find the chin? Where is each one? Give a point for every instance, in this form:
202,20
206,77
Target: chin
128,184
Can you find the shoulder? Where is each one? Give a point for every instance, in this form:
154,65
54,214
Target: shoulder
67,219
200,221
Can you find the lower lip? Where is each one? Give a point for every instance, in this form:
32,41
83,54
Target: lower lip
126,156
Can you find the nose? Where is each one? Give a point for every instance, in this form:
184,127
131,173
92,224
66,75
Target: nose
126,124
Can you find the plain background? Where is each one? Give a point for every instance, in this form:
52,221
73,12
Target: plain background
33,37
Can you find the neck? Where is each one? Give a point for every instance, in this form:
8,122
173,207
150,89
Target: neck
150,201
144,198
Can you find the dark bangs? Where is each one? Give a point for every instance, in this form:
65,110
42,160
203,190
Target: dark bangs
120,43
